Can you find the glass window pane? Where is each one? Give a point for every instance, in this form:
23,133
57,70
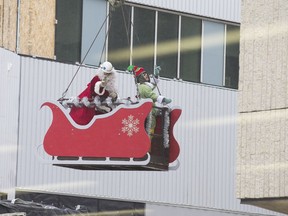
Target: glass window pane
119,37
68,30
94,15
190,50
144,38
232,56
213,53
167,44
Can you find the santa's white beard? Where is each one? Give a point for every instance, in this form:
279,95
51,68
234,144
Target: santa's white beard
111,80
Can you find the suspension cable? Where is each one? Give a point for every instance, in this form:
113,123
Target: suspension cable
65,92
114,4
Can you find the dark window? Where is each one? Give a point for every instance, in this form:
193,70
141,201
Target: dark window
203,48
190,50
232,56
144,38
68,30
119,37
167,44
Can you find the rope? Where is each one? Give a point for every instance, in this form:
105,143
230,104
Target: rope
155,81
65,92
114,4
137,36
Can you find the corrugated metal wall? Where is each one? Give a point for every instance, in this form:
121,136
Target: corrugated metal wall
9,97
205,131
228,10
168,210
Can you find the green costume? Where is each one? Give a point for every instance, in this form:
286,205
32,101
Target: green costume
146,91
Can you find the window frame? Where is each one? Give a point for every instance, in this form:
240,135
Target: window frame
179,74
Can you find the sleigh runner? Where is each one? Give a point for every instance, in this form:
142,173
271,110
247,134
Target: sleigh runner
117,140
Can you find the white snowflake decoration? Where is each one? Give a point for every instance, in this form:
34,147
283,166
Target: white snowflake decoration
130,125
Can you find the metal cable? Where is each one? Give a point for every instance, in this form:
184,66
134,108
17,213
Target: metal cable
65,92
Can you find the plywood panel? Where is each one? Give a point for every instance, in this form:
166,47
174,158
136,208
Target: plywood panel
9,24
37,28
1,22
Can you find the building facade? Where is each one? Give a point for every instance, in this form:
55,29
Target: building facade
196,43
262,155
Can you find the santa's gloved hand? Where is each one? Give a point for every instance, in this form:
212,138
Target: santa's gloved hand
130,68
157,70
166,101
98,86
113,96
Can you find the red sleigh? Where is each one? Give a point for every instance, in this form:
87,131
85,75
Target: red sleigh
113,141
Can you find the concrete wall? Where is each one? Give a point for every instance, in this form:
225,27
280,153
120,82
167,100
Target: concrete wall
262,167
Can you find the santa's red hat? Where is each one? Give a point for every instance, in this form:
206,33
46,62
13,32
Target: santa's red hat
138,71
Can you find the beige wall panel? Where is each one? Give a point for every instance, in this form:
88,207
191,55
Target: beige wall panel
264,42
262,164
9,24
263,154
37,28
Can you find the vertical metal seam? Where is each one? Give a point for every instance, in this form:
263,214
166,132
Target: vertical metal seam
18,120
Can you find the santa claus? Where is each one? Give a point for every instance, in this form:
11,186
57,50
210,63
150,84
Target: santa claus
98,89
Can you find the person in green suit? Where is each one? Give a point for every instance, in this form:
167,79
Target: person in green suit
145,86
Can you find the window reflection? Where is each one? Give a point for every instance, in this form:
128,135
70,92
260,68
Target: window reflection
144,38
167,44
119,37
190,50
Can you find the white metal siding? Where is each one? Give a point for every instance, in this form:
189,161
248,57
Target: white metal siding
156,210
9,97
228,10
205,131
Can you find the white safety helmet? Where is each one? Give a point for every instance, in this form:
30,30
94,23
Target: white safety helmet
107,67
